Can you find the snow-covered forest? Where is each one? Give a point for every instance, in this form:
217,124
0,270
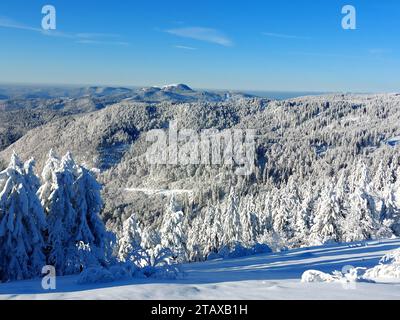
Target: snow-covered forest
53,221
327,170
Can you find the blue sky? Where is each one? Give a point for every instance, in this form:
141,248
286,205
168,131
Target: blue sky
287,45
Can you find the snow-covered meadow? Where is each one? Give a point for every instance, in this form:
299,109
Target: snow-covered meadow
266,276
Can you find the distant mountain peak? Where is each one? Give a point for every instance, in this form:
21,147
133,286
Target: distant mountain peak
178,87
152,88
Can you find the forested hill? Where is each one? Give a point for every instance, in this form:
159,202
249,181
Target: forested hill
326,169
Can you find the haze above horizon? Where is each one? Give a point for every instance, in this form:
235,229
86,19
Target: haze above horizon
263,46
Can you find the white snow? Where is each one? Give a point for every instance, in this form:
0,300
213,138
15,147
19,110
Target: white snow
268,276
168,86
316,276
166,192
393,141
388,268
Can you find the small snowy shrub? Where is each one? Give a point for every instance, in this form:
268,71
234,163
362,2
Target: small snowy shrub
391,258
156,263
237,250
224,252
119,272
352,275
260,248
388,267
95,275
213,256
168,271
154,257
316,276
141,254
132,269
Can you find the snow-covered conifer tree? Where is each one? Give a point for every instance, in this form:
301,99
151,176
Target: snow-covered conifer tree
248,221
130,239
302,221
381,179
395,203
204,235
32,179
46,189
388,212
230,218
342,191
285,213
153,253
76,236
22,222
87,203
325,224
171,231
361,221
56,196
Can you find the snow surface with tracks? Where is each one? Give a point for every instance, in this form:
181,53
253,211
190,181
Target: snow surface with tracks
268,276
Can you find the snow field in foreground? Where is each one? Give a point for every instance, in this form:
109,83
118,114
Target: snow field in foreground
268,276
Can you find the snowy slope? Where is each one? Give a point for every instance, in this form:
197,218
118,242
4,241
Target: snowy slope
393,141
272,276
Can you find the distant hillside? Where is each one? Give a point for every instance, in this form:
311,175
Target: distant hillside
44,104
318,160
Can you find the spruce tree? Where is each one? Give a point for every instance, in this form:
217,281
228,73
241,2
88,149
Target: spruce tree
22,223
172,233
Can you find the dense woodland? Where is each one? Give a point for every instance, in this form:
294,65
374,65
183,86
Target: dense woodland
327,169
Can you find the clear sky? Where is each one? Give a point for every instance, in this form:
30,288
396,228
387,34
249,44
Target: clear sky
288,45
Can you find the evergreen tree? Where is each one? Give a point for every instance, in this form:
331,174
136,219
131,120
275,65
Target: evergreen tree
87,202
153,254
289,205
302,221
22,222
381,179
388,213
248,221
172,233
56,195
324,227
32,180
395,203
76,236
230,218
361,221
130,240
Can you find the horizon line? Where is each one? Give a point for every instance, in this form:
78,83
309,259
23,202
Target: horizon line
130,86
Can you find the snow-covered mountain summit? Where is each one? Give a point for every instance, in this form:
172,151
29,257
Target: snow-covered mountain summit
176,87
181,93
